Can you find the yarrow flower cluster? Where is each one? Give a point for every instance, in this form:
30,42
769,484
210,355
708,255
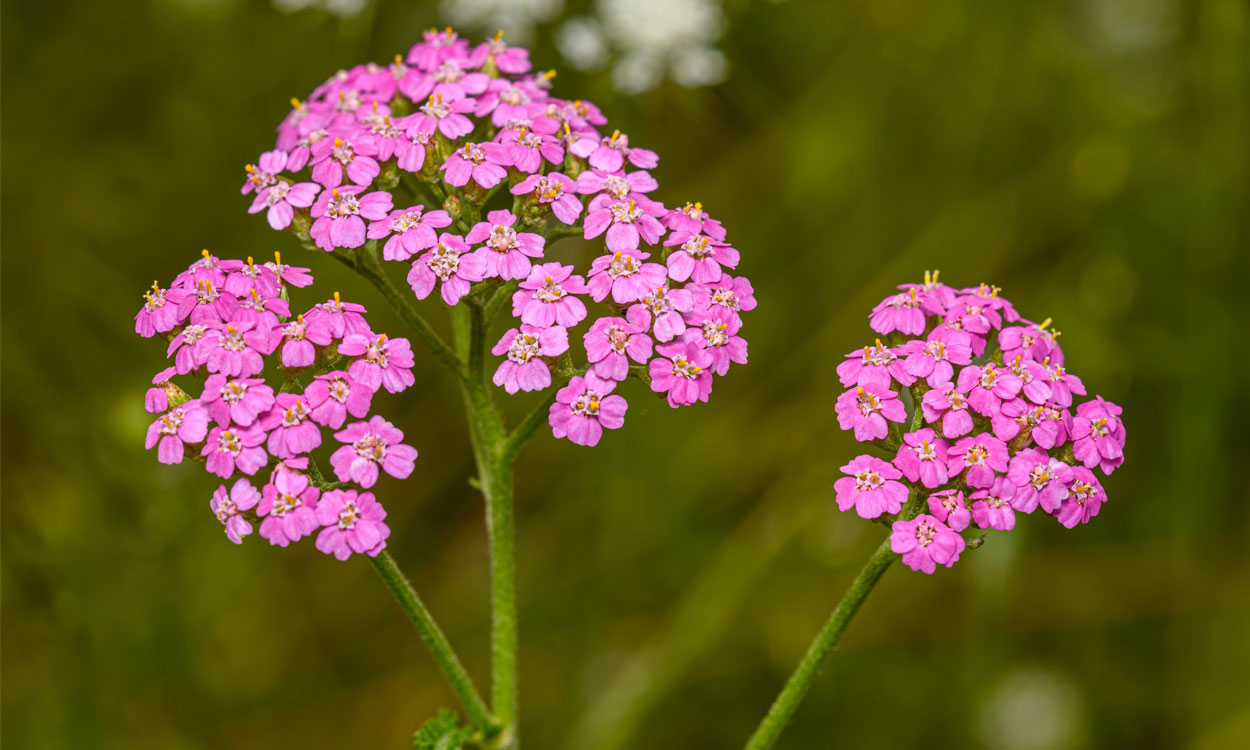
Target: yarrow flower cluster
228,324
511,167
973,409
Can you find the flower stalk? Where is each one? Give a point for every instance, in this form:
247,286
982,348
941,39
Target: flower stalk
800,681
434,639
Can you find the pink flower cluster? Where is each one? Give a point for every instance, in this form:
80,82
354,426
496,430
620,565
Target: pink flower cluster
223,319
465,122
975,407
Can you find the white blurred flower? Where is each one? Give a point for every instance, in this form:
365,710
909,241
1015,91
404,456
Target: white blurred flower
516,18
580,40
635,72
644,40
656,37
343,8
1032,709
699,66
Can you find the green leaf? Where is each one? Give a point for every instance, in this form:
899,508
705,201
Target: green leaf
443,732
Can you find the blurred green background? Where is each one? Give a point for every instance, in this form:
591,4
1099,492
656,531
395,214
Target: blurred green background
1089,156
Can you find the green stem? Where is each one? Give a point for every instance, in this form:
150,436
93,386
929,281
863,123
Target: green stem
487,434
801,680
434,639
502,296
536,418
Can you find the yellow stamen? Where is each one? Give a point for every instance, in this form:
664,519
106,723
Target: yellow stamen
335,193
928,278
255,295
499,35
204,252
230,328
913,294
722,326
1018,356
300,319
382,338
296,103
336,299
399,59
879,346
1043,325
375,108
696,370
549,75
698,206
249,169
338,143
277,258
547,279
250,265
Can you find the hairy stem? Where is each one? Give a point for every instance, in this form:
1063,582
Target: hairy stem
434,639
800,681
536,418
495,478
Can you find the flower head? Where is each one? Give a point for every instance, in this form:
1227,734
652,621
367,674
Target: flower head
182,426
683,372
352,523
548,297
526,350
925,542
289,506
866,409
230,506
371,446
871,487
584,408
504,253
448,264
